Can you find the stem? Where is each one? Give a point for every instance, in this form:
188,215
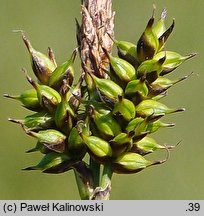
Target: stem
95,167
103,192
84,180
106,176
83,190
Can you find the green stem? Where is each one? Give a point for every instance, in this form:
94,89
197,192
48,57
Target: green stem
95,167
106,176
84,180
83,192
103,191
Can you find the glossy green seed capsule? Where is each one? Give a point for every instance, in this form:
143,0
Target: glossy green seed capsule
97,146
133,124
100,107
108,88
36,121
64,72
161,85
64,115
148,43
76,145
105,123
136,86
130,163
47,96
152,108
28,98
122,69
172,60
121,143
54,163
154,126
145,146
75,141
166,83
41,64
125,108
127,51
51,138
150,66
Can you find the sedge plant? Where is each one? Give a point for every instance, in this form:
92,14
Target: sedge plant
102,123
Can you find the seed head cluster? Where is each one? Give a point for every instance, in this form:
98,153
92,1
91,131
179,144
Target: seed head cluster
112,119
